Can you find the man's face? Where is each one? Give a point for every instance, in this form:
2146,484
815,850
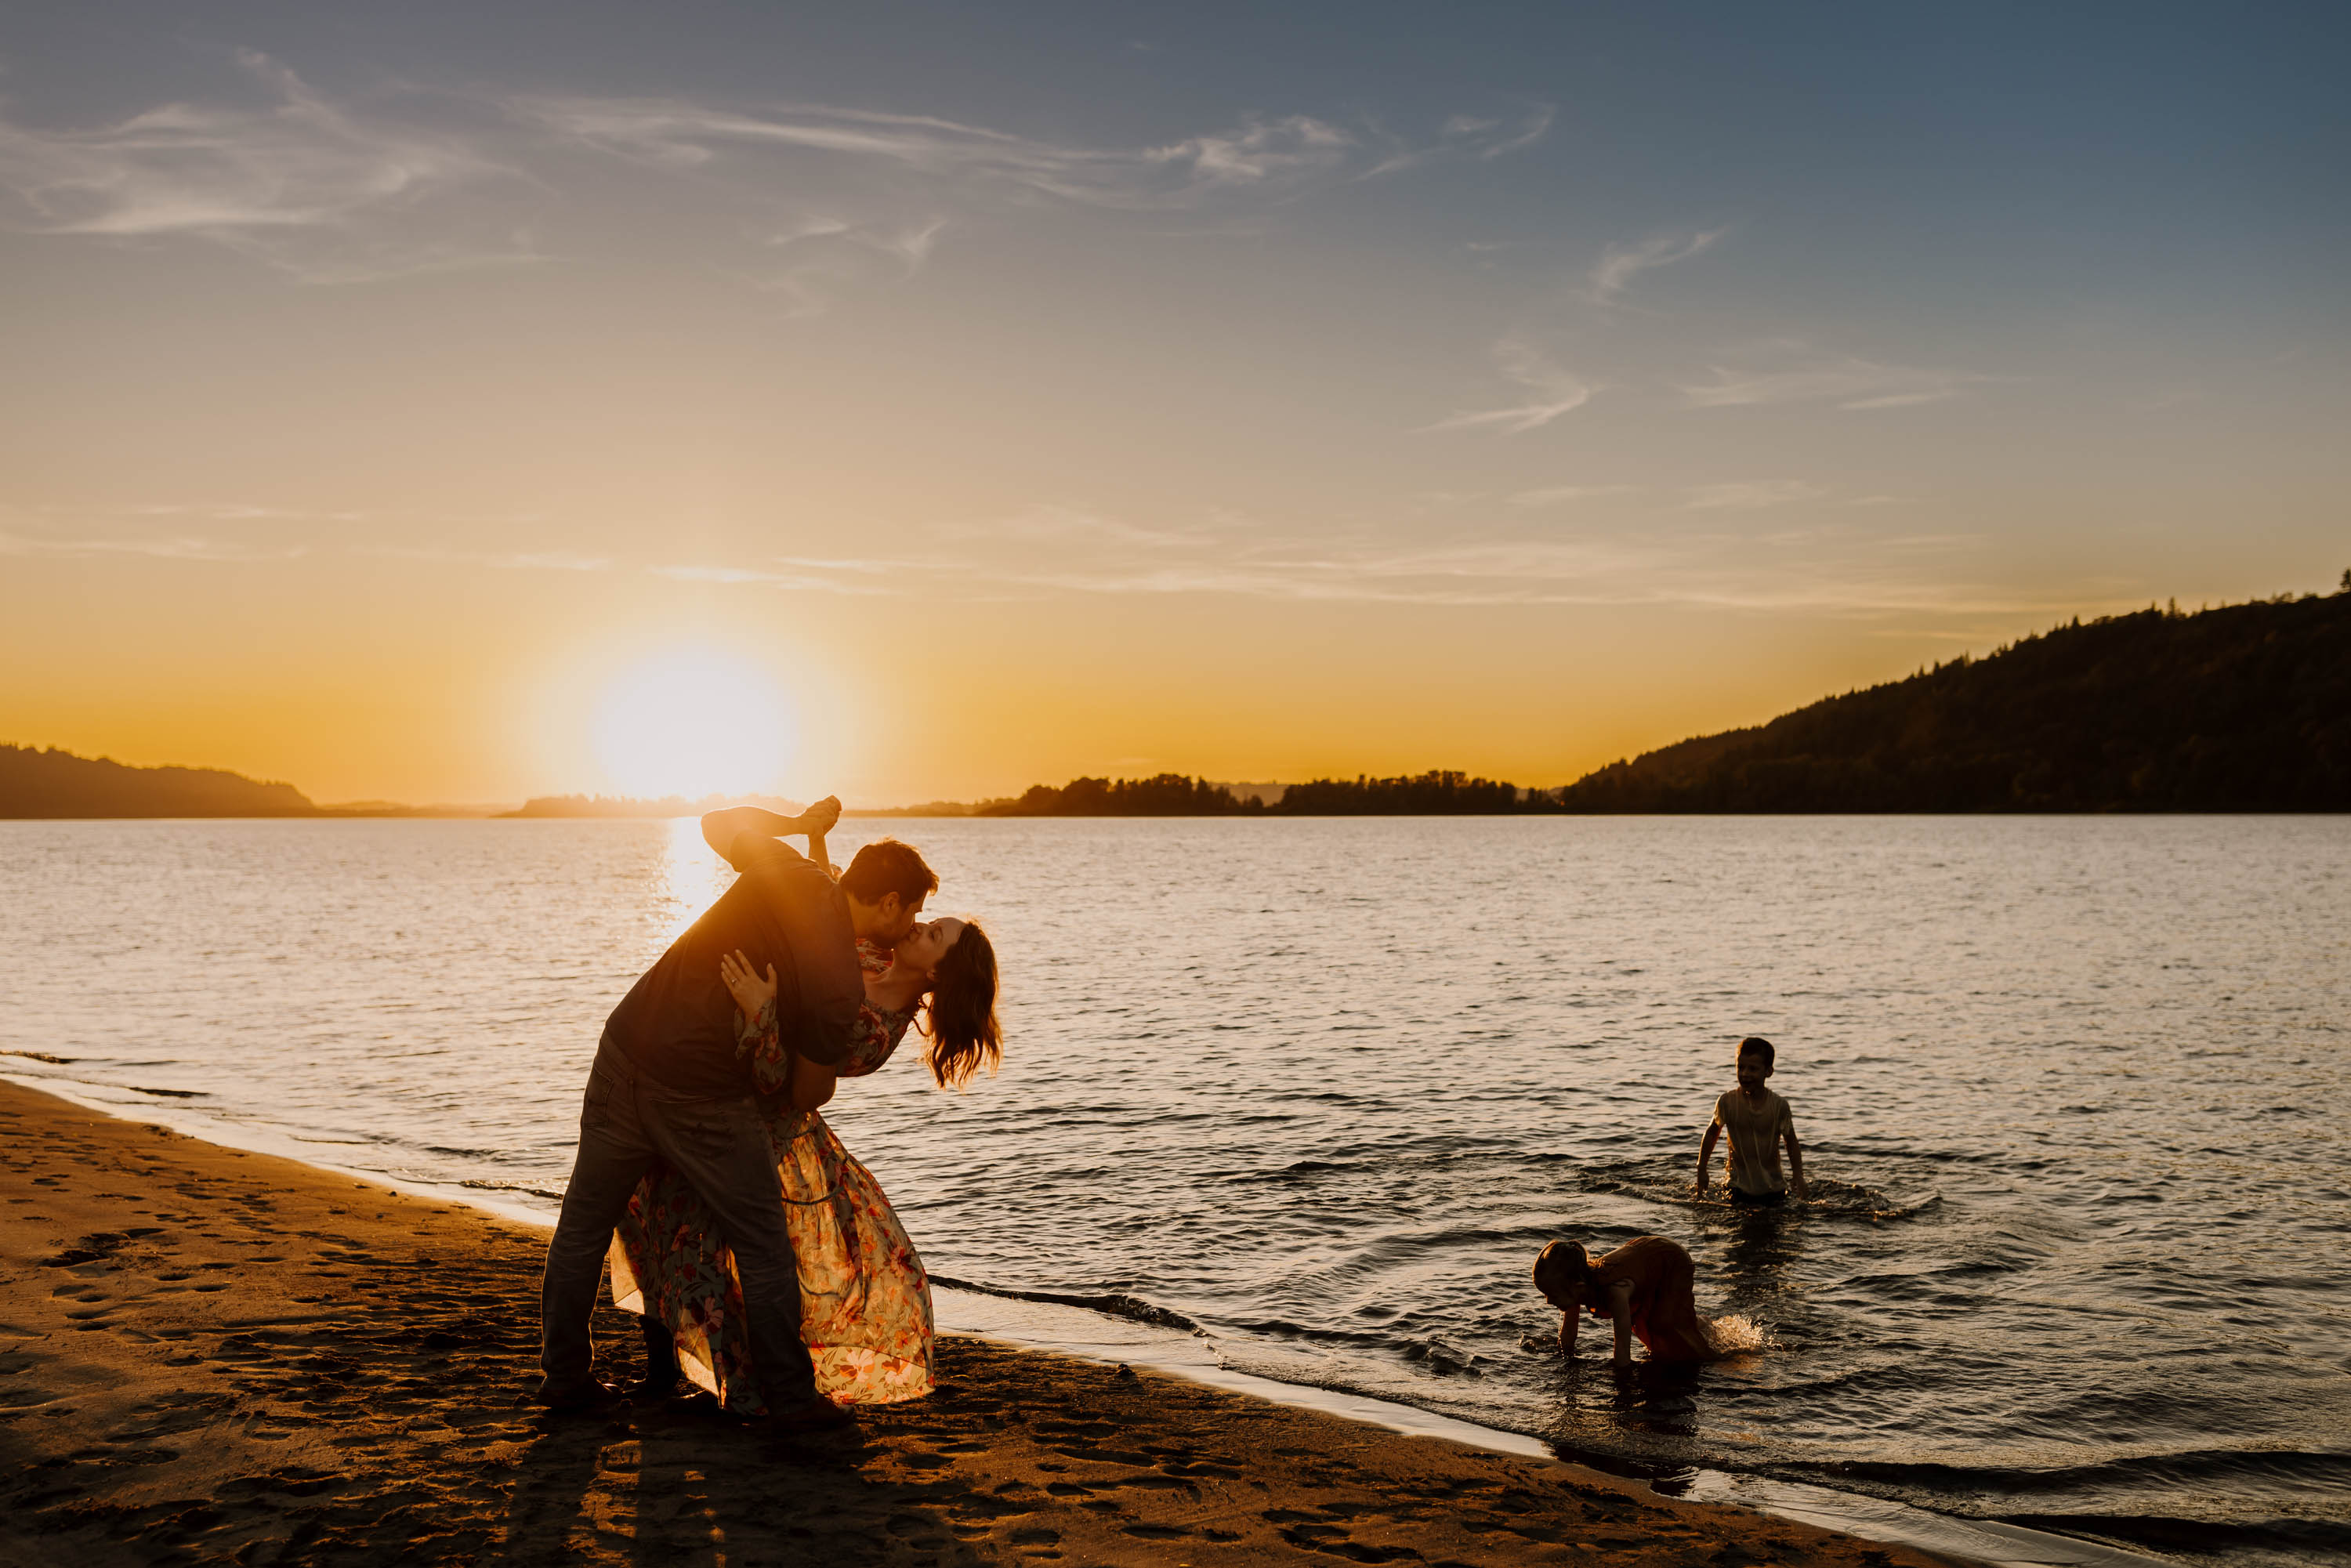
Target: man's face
897,918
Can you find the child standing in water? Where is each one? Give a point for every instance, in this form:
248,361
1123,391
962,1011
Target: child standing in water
1758,1121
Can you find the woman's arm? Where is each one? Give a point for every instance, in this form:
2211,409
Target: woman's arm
756,1037
1567,1326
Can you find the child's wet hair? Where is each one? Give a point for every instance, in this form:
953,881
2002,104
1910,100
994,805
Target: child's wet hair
1757,1045
1564,1264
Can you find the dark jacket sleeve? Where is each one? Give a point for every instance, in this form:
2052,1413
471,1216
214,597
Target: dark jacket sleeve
814,918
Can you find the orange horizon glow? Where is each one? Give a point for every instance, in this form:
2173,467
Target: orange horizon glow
799,406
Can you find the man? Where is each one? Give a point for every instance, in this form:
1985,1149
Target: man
885,886
667,1084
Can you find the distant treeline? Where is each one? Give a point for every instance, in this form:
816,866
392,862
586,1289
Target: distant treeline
52,783
2243,708
1175,795
2246,707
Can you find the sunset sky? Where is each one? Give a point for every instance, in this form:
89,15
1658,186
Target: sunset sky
426,401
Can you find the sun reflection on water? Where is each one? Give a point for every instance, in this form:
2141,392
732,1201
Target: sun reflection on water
690,878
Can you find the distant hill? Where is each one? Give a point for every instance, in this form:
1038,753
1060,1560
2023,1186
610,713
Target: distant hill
50,783
2243,708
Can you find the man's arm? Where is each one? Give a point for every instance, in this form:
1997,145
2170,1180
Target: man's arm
1706,1153
721,829
811,1085
815,921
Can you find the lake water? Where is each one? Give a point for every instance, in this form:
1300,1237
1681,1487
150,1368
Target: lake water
2071,1093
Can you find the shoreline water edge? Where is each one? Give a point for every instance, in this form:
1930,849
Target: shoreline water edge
87,1470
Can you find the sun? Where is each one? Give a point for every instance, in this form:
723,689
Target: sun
694,722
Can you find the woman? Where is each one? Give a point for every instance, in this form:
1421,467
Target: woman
1642,1287
865,1300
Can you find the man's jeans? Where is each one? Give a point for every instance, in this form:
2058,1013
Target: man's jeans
720,1147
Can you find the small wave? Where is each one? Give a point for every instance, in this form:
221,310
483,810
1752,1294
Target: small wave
168,1093
514,1187
1116,1306
1286,1329
1845,1197
43,1056
1439,1356
2238,1469
1824,1197
2291,1539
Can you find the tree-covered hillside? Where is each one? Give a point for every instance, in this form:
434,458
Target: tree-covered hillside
58,784
2243,708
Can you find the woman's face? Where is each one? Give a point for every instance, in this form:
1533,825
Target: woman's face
921,948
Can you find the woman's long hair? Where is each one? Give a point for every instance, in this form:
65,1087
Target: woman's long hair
961,1018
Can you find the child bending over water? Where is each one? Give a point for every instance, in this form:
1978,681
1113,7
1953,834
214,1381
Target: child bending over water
1643,1288
1758,1122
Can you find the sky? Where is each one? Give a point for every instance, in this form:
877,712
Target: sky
461,403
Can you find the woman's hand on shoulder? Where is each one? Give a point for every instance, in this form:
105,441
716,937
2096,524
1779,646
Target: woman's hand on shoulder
750,992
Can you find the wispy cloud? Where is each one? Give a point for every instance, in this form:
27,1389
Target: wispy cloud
232,512
820,254
172,548
1060,524
811,582
1616,269
1749,495
1466,136
1789,372
1554,392
1260,153
1826,568
1565,495
502,560
317,190
398,180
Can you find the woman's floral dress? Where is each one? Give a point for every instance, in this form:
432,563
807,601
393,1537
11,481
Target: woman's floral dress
865,1300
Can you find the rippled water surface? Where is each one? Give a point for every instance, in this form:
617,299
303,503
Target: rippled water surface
2073,1094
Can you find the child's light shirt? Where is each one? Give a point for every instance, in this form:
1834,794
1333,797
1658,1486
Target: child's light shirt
1753,1166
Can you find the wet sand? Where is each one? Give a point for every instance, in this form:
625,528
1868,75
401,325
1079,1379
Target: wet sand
213,1356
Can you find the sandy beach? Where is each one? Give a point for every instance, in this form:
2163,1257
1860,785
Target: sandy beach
215,1356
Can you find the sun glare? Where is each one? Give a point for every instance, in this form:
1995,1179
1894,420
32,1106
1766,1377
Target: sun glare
694,723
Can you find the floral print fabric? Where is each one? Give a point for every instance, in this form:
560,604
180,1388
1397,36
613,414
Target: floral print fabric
865,1298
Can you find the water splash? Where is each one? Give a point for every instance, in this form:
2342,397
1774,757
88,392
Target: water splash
1738,1334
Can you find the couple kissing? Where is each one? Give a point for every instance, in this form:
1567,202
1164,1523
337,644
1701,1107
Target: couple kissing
766,1265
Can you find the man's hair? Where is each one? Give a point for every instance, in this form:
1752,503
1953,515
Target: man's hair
1755,1044
886,866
